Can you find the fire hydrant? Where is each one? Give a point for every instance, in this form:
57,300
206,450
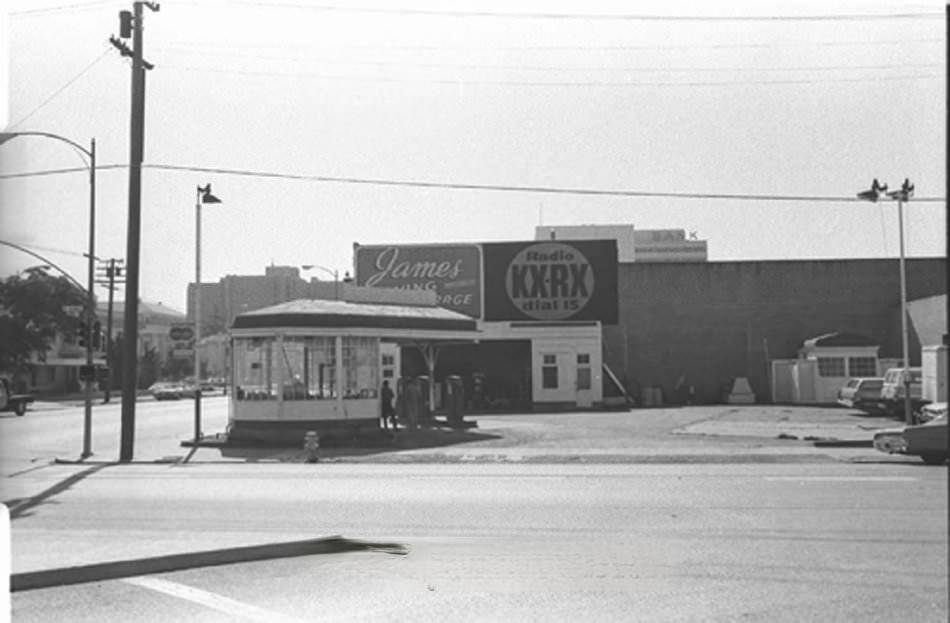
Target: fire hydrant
311,445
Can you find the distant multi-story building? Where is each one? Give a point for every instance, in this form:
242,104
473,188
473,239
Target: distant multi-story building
235,294
633,245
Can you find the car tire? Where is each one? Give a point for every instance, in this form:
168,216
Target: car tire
932,458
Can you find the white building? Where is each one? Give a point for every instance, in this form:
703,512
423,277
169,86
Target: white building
646,245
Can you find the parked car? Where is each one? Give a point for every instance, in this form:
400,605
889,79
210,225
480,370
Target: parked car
862,393
188,389
931,411
165,390
930,441
13,402
892,391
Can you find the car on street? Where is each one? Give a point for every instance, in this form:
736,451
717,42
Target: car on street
930,440
188,389
862,393
931,411
13,402
166,390
892,391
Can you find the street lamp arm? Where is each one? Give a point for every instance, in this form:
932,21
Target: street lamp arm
333,273
69,277
6,136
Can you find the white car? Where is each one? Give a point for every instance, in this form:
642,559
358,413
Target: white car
167,391
931,411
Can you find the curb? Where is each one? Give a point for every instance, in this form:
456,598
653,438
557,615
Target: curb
845,443
178,562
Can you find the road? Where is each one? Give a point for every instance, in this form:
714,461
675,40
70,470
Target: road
681,542
46,433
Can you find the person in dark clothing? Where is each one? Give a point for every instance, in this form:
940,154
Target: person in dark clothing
386,402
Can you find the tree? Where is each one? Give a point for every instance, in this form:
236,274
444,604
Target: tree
32,314
149,367
175,367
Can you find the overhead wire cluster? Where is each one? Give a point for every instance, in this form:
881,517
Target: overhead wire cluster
407,183
289,52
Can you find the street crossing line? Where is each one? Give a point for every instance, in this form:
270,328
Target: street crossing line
211,600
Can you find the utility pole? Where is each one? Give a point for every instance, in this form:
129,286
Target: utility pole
110,274
131,25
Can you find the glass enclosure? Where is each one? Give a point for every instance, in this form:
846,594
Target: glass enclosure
360,367
254,376
305,368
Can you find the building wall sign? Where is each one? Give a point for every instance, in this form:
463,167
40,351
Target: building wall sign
452,271
550,281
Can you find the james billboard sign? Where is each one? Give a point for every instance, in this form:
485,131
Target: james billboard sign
551,280
453,272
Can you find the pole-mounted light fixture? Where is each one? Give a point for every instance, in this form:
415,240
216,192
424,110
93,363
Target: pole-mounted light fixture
901,195
89,159
203,196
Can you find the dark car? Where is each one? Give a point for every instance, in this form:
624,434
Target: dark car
930,440
13,402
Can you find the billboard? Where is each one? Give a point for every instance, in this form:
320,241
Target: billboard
554,280
452,271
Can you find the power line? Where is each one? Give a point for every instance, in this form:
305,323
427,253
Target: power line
588,16
61,89
50,249
62,7
502,66
203,46
462,186
45,172
464,82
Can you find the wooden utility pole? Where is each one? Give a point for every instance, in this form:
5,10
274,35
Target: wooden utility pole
112,272
132,25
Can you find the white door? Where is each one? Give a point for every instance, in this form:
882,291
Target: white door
554,377
584,380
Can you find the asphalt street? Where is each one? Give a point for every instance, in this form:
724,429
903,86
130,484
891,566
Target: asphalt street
780,542
698,514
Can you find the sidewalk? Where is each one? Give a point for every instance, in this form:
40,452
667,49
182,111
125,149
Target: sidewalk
717,433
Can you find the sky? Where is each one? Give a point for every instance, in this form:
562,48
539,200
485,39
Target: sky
316,121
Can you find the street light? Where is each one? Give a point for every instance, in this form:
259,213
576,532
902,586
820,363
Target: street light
335,273
904,194
91,256
202,196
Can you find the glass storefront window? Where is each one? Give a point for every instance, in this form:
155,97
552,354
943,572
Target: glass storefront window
360,367
253,369
309,368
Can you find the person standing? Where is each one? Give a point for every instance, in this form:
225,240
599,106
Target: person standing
386,404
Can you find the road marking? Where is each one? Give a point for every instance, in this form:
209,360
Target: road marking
846,478
211,600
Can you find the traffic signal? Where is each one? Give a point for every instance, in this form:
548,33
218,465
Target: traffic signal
97,335
87,373
125,24
81,332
